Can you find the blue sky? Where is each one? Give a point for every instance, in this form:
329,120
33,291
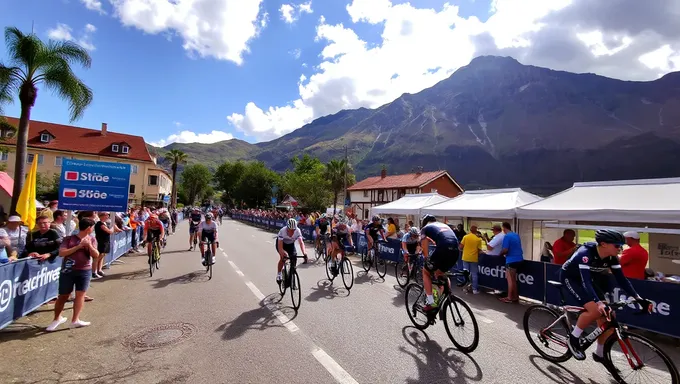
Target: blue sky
147,82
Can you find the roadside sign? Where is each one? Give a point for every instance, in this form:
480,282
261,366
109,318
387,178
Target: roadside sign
166,199
274,200
94,185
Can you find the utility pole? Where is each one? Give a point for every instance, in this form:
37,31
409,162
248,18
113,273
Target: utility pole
346,165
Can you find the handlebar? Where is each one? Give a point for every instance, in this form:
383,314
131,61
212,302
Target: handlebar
618,305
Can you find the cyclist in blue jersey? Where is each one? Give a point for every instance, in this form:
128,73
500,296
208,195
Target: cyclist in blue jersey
584,276
373,230
321,227
194,221
444,257
410,244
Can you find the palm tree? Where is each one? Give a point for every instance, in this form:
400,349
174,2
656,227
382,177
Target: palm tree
336,171
176,157
33,62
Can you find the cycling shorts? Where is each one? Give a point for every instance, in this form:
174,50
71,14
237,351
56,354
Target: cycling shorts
193,228
443,258
577,291
208,236
340,238
152,234
411,248
289,248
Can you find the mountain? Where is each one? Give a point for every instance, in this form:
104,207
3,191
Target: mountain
496,123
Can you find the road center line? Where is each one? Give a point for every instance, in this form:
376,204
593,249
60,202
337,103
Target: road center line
333,367
238,271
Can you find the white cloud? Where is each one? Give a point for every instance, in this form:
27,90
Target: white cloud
210,28
290,13
295,53
94,5
420,47
64,32
187,136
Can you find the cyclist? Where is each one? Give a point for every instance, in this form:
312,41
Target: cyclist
373,229
339,235
221,213
207,231
153,231
215,213
585,279
321,226
173,217
285,245
195,220
164,217
410,244
444,257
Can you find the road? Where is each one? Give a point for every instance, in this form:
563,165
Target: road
238,330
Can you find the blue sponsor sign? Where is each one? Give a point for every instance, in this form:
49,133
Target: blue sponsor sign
166,199
274,200
94,186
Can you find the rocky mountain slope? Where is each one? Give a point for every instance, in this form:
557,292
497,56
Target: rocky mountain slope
496,123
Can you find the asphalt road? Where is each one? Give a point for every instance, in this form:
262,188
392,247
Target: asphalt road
239,330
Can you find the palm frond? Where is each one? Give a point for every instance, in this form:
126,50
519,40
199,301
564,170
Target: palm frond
60,79
67,51
23,50
10,78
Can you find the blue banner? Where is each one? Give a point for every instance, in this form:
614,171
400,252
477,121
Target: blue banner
530,276
25,285
94,186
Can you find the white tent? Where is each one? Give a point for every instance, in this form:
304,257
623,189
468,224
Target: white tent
631,201
488,203
409,204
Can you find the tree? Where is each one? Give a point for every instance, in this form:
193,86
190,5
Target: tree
194,181
227,178
338,173
47,187
255,185
34,62
175,157
307,182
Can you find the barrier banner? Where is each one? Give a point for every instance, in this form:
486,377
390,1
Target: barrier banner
530,276
25,285
307,231
664,296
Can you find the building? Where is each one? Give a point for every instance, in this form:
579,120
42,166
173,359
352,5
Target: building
52,143
378,190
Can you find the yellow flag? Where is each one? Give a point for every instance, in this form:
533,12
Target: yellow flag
26,205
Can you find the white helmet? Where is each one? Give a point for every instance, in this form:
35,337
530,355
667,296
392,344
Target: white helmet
292,223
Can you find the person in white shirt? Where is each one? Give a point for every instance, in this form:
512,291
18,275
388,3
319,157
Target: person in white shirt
207,231
495,245
285,245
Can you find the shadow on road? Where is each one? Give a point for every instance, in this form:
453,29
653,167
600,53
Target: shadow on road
257,319
273,302
370,277
436,365
557,373
187,278
325,290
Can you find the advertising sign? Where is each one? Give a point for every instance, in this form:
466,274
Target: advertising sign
94,186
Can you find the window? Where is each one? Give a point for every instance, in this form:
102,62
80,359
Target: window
44,137
114,148
153,180
365,193
3,156
133,169
58,160
125,149
381,195
29,158
132,188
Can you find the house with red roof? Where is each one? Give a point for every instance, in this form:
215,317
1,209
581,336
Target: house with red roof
52,143
379,190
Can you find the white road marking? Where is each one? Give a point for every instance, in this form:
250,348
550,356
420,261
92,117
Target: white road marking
238,271
340,375
269,242
279,315
221,249
482,318
255,290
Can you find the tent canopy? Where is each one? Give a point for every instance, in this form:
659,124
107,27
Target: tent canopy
409,204
631,201
488,203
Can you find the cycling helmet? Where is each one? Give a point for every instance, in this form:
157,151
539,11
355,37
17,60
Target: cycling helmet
375,218
209,216
414,231
609,236
427,218
292,223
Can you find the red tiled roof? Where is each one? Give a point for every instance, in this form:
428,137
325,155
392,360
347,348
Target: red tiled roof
83,140
409,180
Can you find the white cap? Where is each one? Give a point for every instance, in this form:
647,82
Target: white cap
14,219
632,235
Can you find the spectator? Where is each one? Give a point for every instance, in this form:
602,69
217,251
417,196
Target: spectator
494,245
512,250
44,242
564,247
17,236
391,228
459,232
77,251
634,259
58,223
470,245
4,247
103,235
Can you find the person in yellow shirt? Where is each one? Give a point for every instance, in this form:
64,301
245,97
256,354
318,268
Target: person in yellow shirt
471,244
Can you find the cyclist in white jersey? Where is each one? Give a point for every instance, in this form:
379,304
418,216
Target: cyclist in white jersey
207,230
285,245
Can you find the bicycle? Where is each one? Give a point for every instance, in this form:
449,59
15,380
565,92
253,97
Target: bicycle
372,258
155,257
414,269
290,278
207,258
345,269
621,336
446,302
322,249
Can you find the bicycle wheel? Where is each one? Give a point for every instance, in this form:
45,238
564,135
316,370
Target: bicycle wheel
208,262
347,273
366,259
282,283
402,273
459,310
662,367
415,300
295,291
554,339
151,265
380,265
328,269
317,252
